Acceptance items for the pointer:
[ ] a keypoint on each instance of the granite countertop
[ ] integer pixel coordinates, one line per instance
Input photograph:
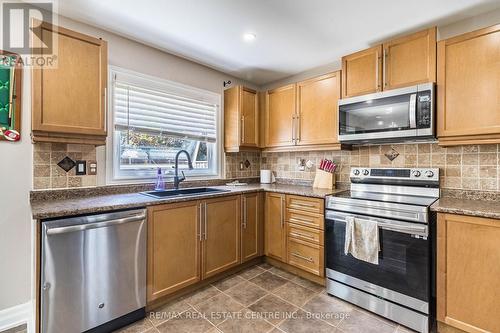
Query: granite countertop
(468, 206)
(44, 209)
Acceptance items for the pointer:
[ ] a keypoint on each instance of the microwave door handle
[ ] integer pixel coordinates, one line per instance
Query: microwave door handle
(412, 111)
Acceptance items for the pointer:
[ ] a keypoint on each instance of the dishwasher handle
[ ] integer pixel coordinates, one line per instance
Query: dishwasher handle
(103, 224)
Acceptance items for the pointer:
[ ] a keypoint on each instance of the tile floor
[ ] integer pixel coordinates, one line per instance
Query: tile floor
(262, 298)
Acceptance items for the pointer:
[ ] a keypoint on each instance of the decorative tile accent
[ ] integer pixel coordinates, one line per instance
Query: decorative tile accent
(50, 162)
(66, 164)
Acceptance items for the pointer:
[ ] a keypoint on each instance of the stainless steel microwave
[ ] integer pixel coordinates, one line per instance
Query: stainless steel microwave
(390, 116)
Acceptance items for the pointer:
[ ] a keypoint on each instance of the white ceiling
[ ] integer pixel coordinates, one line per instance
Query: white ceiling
(292, 35)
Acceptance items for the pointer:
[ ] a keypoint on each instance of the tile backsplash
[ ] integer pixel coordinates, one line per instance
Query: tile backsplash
(48, 175)
(463, 167)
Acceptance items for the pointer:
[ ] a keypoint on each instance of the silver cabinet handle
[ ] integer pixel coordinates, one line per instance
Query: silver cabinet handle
(297, 131)
(103, 224)
(205, 215)
(309, 259)
(282, 209)
(293, 234)
(293, 129)
(199, 220)
(303, 204)
(242, 129)
(245, 217)
(384, 75)
(294, 219)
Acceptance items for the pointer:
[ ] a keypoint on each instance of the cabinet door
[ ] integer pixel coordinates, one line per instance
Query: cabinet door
(280, 122)
(221, 235)
(251, 227)
(71, 98)
(468, 272)
(275, 232)
(173, 248)
(249, 117)
(317, 107)
(410, 60)
(469, 86)
(362, 72)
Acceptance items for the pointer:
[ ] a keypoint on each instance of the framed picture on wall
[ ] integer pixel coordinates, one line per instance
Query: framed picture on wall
(10, 96)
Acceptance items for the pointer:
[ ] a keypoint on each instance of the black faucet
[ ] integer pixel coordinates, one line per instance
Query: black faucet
(177, 179)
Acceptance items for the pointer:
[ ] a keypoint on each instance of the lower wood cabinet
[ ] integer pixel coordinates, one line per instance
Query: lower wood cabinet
(173, 248)
(306, 255)
(221, 234)
(275, 232)
(251, 225)
(468, 272)
(191, 241)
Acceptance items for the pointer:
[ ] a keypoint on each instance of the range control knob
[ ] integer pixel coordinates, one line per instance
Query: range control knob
(356, 172)
(366, 172)
(429, 174)
(416, 173)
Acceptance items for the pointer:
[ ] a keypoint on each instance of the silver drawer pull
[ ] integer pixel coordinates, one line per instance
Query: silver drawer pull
(303, 204)
(294, 219)
(293, 234)
(309, 259)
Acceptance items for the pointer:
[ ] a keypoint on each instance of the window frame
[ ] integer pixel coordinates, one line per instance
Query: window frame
(152, 82)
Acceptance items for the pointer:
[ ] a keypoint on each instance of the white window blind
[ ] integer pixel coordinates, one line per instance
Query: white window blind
(165, 112)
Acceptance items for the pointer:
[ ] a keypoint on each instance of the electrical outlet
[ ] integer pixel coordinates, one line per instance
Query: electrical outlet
(81, 168)
(92, 168)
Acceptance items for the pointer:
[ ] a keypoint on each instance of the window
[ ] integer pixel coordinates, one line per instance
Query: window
(152, 119)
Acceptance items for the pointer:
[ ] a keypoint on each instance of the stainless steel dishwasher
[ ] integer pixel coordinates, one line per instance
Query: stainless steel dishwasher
(93, 272)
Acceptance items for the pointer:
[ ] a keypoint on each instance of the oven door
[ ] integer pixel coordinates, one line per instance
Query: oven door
(402, 275)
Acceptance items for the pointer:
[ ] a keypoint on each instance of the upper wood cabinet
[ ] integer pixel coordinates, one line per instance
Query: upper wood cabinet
(241, 119)
(362, 72)
(410, 60)
(401, 62)
(275, 231)
(173, 248)
(317, 105)
(280, 116)
(69, 101)
(468, 273)
(469, 88)
(221, 235)
(251, 225)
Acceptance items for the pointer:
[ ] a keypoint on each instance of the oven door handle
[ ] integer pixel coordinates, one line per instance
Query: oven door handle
(402, 227)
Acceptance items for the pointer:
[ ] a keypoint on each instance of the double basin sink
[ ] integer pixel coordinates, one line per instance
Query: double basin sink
(185, 192)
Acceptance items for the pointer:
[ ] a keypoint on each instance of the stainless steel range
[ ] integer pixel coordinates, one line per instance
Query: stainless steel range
(399, 286)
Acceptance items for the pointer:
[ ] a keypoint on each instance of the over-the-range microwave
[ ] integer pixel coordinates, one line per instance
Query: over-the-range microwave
(391, 116)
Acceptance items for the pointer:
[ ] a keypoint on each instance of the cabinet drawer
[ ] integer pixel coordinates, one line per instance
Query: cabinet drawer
(305, 233)
(306, 204)
(306, 219)
(306, 256)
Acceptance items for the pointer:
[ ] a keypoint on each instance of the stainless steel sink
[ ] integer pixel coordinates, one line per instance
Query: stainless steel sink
(185, 192)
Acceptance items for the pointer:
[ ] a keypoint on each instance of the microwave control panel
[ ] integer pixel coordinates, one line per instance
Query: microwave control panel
(424, 109)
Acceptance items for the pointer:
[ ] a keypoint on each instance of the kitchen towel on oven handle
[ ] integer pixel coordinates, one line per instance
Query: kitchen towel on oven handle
(362, 239)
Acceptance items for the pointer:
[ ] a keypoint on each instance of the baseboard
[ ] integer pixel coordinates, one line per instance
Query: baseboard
(17, 315)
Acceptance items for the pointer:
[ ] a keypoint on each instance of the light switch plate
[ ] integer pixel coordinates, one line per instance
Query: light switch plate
(92, 168)
(81, 168)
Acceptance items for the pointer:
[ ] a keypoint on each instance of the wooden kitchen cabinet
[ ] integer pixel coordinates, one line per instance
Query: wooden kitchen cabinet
(362, 72)
(410, 60)
(401, 62)
(469, 88)
(305, 223)
(280, 116)
(241, 119)
(317, 108)
(69, 101)
(173, 248)
(275, 231)
(468, 272)
(251, 226)
(221, 235)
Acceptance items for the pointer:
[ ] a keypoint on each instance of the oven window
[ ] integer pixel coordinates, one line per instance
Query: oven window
(380, 115)
(403, 261)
